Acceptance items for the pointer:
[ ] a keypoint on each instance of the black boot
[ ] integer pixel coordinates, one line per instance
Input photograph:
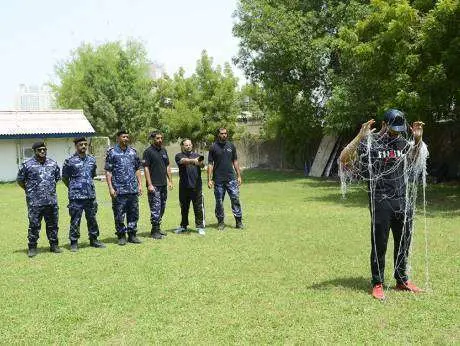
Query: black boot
(96, 243)
(122, 239)
(155, 232)
(133, 239)
(239, 223)
(54, 248)
(74, 245)
(32, 252)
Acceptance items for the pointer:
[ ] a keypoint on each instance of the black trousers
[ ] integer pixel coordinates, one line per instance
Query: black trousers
(390, 214)
(187, 195)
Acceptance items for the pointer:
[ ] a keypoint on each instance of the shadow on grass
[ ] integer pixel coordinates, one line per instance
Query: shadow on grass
(41, 249)
(149, 235)
(441, 199)
(354, 284)
(257, 175)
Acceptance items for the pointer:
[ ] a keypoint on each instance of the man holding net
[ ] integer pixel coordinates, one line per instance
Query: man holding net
(391, 164)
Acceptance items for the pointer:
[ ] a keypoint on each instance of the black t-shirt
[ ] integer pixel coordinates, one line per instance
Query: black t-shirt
(189, 175)
(156, 159)
(387, 155)
(221, 156)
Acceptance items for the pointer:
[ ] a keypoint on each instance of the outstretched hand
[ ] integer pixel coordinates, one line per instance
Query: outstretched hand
(366, 128)
(417, 130)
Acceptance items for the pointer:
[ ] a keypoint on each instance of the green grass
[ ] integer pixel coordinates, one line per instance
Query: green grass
(298, 273)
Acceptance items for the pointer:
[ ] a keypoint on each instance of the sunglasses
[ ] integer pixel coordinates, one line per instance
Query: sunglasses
(41, 149)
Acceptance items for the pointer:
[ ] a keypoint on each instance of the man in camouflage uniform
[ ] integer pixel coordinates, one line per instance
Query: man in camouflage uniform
(122, 171)
(78, 172)
(38, 177)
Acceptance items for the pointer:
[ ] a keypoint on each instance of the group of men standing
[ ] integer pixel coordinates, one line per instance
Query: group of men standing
(38, 177)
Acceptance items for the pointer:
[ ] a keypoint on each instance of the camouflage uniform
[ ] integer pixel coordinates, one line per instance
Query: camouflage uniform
(40, 187)
(80, 172)
(123, 166)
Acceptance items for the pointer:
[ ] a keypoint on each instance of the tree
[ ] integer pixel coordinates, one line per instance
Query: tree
(287, 46)
(111, 84)
(199, 104)
(377, 61)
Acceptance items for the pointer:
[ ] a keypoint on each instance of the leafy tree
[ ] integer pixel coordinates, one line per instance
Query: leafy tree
(199, 104)
(111, 84)
(287, 46)
(437, 78)
(377, 61)
(329, 65)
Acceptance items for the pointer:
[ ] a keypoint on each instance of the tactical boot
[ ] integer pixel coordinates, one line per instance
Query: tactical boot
(220, 225)
(157, 236)
(32, 252)
(133, 239)
(155, 232)
(74, 246)
(54, 248)
(122, 240)
(96, 243)
(239, 223)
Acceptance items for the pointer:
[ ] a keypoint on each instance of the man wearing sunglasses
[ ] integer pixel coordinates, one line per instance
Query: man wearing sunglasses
(78, 172)
(38, 177)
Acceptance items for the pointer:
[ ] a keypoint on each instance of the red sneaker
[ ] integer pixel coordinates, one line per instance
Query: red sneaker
(408, 286)
(377, 292)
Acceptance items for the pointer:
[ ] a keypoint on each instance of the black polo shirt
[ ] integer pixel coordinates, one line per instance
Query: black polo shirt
(189, 175)
(157, 160)
(221, 156)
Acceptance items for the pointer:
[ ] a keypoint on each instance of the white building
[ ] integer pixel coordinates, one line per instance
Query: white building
(34, 98)
(20, 129)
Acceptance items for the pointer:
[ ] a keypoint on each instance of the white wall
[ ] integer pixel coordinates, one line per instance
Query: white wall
(58, 149)
(8, 161)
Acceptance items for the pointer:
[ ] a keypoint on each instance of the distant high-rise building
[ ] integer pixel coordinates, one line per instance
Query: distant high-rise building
(34, 98)
(156, 71)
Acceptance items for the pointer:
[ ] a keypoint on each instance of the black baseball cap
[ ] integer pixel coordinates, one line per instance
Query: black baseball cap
(395, 119)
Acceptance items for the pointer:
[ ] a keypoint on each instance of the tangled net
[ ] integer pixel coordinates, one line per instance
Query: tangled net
(392, 174)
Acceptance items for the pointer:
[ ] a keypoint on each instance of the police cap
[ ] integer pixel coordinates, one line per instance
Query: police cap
(37, 145)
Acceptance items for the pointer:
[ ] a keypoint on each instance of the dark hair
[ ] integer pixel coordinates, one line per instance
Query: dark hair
(155, 133)
(183, 141)
(79, 139)
(220, 129)
(122, 132)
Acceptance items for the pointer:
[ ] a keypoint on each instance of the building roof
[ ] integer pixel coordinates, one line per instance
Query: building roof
(51, 124)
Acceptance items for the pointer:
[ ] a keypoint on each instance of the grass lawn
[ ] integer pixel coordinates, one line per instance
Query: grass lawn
(298, 273)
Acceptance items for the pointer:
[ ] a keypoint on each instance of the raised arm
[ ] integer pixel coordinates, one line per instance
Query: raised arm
(349, 153)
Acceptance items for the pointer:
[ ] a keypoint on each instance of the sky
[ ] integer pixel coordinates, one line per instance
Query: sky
(37, 35)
